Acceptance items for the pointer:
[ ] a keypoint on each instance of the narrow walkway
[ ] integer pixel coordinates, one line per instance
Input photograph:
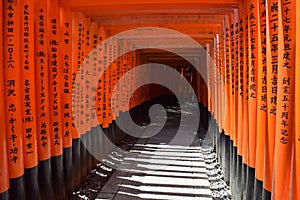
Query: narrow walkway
(149, 172)
(154, 169)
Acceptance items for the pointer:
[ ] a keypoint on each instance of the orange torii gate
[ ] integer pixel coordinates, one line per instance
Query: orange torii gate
(255, 45)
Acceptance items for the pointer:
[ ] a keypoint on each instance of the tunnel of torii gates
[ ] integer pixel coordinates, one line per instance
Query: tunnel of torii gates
(248, 84)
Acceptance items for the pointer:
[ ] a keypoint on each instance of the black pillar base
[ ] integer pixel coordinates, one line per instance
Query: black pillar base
(68, 164)
(4, 195)
(83, 158)
(266, 195)
(239, 166)
(58, 178)
(258, 189)
(250, 182)
(45, 180)
(244, 180)
(94, 138)
(32, 183)
(76, 162)
(88, 154)
(17, 188)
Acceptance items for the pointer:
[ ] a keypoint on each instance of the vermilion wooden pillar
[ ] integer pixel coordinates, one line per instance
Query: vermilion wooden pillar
(296, 169)
(12, 92)
(284, 138)
(4, 177)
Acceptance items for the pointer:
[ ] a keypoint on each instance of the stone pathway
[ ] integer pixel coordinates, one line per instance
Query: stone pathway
(164, 165)
(159, 171)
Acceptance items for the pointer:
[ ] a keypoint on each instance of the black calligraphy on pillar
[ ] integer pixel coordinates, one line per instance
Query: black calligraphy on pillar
(105, 84)
(253, 47)
(274, 51)
(42, 57)
(110, 80)
(80, 56)
(246, 67)
(288, 64)
(241, 56)
(227, 55)
(118, 74)
(28, 117)
(263, 31)
(233, 58)
(87, 81)
(11, 83)
(237, 58)
(94, 58)
(124, 66)
(67, 86)
(54, 80)
(98, 56)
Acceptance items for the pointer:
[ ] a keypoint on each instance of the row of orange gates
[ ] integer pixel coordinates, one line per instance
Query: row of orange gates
(42, 49)
(44, 45)
(258, 57)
